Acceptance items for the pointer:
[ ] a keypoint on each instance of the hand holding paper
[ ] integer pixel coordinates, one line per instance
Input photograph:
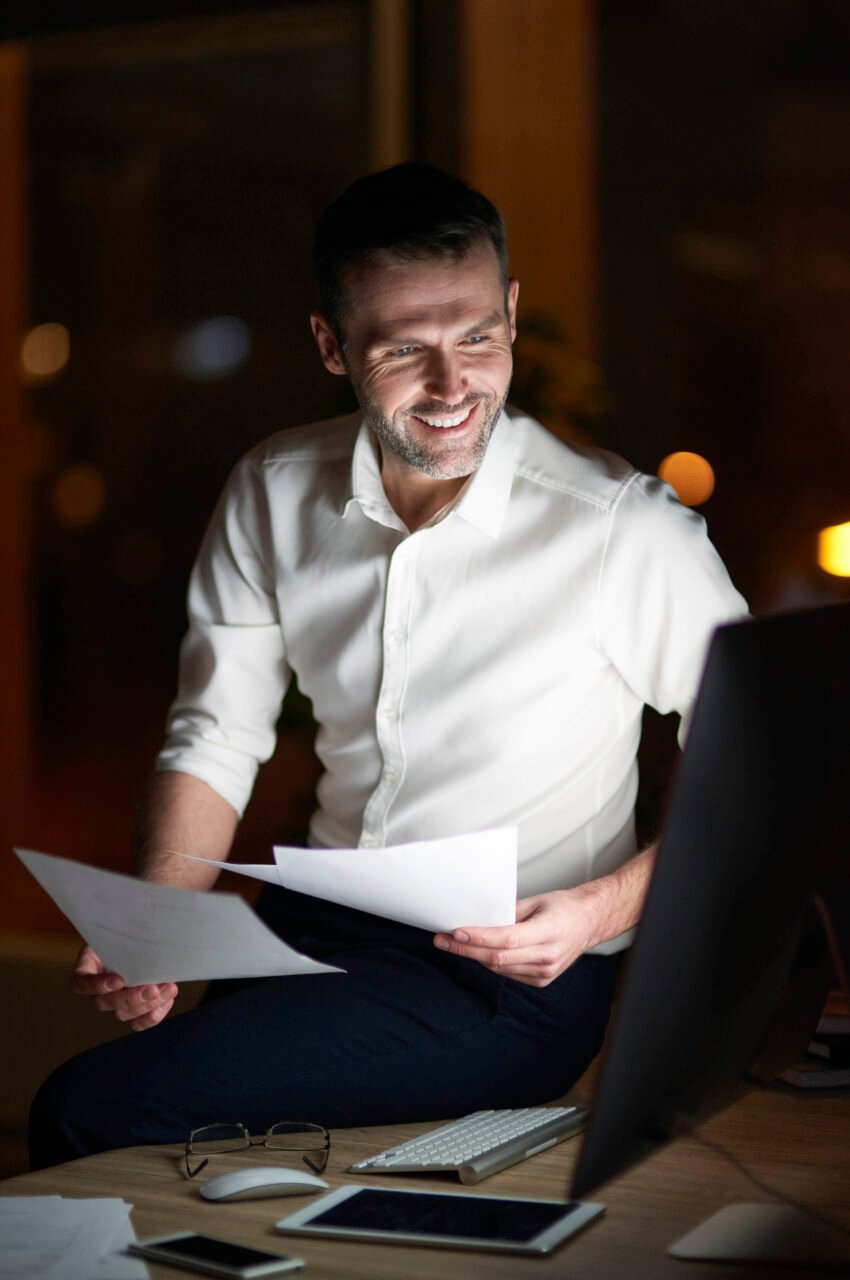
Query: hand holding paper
(153, 933)
(139, 1008)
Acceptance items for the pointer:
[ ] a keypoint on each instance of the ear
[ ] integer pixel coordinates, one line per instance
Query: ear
(513, 294)
(326, 342)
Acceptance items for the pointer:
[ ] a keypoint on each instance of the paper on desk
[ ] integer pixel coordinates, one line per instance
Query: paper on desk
(54, 1238)
(154, 933)
(433, 884)
(115, 1263)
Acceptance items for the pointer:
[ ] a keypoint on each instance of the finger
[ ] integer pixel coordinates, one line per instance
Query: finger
(509, 962)
(95, 984)
(498, 935)
(535, 973)
(495, 938)
(131, 1002)
(152, 1018)
(88, 964)
(88, 961)
(469, 950)
(126, 1012)
(534, 932)
(528, 962)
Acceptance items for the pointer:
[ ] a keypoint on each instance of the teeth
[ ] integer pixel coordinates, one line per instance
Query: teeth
(446, 422)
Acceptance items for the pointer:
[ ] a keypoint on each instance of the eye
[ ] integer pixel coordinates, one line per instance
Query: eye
(476, 339)
(400, 352)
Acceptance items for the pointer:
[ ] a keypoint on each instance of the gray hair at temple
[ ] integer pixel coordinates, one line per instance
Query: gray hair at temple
(410, 212)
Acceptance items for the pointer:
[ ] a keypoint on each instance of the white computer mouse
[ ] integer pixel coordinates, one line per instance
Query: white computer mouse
(257, 1183)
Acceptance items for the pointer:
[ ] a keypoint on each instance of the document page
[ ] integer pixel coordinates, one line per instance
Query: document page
(433, 884)
(54, 1238)
(154, 933)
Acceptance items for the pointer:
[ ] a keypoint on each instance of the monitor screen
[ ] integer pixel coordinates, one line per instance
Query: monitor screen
(730, 966)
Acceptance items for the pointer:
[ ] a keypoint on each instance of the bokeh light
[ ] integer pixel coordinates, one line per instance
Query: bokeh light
(690, 475)
(834, 550)
(45, 351)
(79, 495)
(212, 349)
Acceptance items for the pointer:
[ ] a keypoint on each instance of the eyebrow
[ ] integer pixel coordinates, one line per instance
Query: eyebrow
(491, 321)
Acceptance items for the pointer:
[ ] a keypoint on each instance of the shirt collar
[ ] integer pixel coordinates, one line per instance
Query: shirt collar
(482, 503)
(366, 487)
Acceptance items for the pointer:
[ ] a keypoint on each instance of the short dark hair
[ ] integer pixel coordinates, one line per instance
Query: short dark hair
(407, 212)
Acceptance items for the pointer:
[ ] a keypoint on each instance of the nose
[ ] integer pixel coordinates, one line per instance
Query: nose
(445, 378)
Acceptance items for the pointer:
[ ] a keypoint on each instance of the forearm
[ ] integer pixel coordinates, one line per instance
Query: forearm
(615, 902)
(181, 814)
(553, 929)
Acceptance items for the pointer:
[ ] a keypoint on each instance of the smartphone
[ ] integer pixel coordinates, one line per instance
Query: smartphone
(214, 1257)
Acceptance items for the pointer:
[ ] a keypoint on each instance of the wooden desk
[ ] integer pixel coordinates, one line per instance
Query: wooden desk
(798, 1144)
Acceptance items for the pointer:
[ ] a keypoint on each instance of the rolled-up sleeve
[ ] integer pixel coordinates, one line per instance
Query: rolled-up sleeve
(233, 668)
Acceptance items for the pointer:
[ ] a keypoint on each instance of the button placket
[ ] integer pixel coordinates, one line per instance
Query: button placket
(388, 716)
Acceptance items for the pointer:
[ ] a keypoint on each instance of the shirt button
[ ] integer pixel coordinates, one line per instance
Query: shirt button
(369, 842)
(397, 635)
(389, 713)
(390, 775)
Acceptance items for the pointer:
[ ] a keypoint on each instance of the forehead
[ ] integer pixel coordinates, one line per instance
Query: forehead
(390, 297)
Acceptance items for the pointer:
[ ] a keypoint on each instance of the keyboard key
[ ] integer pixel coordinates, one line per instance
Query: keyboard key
(479, 1144)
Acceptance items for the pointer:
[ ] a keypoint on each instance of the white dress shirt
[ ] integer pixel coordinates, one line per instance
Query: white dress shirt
(490, 668)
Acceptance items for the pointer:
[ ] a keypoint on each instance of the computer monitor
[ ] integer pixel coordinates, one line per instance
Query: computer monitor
(730, 966)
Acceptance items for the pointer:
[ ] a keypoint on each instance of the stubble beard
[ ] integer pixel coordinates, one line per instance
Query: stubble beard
(449, 459)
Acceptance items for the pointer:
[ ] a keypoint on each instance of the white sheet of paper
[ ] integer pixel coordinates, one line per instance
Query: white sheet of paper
(154, 933)
(103, 1226)
(434, 884)
(114, 1262)
(54, 1238)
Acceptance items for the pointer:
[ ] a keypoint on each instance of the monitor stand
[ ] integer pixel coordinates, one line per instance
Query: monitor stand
(768, 1233)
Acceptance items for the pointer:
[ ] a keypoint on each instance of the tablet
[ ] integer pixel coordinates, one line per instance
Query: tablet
(461, 1220)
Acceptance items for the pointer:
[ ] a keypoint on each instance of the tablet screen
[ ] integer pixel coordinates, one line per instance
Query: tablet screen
(489, 1222)
(423, 1213)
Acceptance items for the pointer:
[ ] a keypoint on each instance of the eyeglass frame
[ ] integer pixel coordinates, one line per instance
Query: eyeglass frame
(318, 1166)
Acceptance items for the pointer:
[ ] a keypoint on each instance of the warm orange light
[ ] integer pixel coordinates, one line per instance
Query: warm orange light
(834, 550)
(79, 495)
(690, 475)
(45, 351)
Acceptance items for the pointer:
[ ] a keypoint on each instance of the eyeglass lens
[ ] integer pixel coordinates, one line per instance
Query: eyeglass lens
(291, 1135)
(302, 1137)
(219, 1137)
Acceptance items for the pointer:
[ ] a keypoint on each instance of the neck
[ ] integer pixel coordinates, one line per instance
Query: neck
(415, 497)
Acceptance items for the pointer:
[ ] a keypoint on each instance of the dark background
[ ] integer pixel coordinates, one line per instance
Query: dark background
(173, 174)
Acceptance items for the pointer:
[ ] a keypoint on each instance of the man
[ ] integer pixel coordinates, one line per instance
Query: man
(478, 613)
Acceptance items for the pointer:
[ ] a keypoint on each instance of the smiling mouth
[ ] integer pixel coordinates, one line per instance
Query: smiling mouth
(446, 422)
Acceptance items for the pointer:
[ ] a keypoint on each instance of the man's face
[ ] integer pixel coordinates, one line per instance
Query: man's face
(428, 352)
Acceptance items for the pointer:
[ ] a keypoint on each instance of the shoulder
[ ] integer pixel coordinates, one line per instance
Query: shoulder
(589, 475)
(598, 478)
(327, 442)
(296, 464)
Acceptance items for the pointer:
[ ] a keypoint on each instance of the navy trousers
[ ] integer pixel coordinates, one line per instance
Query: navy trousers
(407, 1033)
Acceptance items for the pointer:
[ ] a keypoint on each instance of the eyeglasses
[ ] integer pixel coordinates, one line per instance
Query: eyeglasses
(287, 1135)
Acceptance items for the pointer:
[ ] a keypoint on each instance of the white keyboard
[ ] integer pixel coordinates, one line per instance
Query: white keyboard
(480, 1144)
